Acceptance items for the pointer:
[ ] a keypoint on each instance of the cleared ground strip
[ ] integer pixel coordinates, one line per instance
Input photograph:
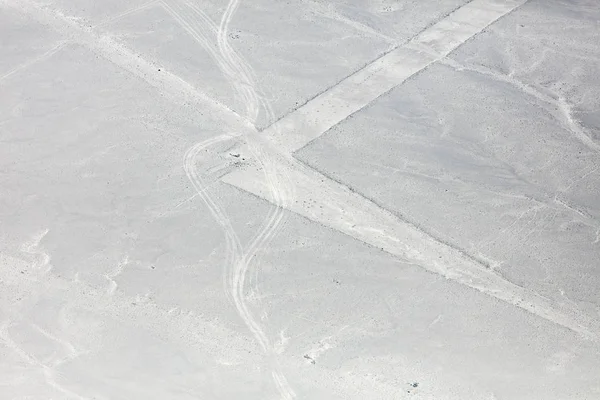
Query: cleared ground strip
(354, 215)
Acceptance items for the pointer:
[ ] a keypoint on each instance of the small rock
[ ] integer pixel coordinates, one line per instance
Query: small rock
(312, 361)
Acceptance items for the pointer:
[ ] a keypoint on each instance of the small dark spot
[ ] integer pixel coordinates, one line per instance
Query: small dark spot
(22, 272)
(159, 69)
(236, 155)
(415, 384)
(152, 267)
(522, 26)
(312, 361)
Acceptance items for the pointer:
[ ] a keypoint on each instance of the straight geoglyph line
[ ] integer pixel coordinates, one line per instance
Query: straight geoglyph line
(320, 114)
(354, 215)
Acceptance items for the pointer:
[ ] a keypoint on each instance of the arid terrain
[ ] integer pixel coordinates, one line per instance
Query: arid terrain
(310, 199)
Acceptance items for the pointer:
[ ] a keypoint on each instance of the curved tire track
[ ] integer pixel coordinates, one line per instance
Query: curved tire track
(238, 260)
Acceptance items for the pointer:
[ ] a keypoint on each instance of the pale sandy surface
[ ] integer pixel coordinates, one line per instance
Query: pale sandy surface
(437, 241)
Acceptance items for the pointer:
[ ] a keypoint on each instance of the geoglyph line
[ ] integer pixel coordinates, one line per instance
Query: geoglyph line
(354, 215)
(172, 86)
(350, 213)
(310, 121)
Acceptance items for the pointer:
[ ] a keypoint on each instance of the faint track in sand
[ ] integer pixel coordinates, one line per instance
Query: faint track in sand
(50, 375)
(47, 54)
(238, 260)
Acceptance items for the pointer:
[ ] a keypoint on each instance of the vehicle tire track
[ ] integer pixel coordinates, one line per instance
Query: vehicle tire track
(238, 260)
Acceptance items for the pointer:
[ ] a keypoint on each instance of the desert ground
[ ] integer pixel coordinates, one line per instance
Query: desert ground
(309, 199)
